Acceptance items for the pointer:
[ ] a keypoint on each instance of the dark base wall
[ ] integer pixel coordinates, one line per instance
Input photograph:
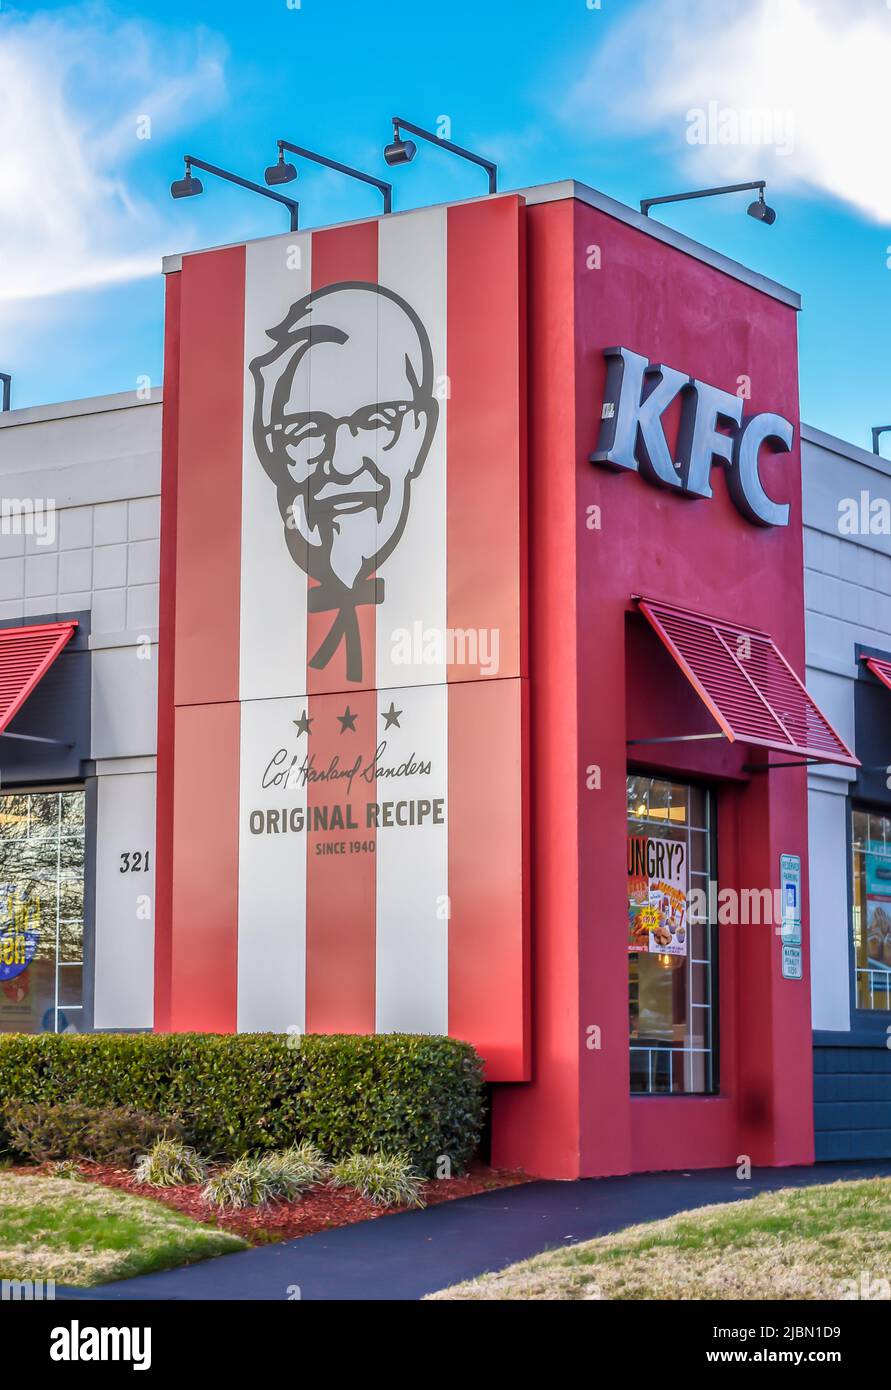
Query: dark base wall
(852, 1095)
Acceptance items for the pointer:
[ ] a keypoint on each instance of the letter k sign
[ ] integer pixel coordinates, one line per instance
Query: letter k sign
(638, 392)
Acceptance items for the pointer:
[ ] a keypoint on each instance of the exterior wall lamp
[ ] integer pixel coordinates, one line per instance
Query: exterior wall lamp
(402, 151)
(283, 172)
(758, 209)
(190, 187)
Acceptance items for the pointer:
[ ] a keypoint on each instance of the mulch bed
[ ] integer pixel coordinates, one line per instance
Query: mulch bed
(319, 1209)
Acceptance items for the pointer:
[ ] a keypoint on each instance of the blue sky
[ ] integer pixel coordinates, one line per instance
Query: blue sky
(551, 90)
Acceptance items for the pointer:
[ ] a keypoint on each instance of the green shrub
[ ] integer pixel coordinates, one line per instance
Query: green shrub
(255, 1179)
(106, 1134)
(388, 1179)
(170, 1163)
(391, 1093)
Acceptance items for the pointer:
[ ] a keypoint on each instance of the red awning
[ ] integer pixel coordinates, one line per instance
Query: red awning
(26, 654)
(747, 684)
(879, 668)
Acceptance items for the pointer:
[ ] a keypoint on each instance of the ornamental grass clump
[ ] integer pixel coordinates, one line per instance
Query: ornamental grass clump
(386, 1179)
(304, 1161)
(256, 1179)
(66, 1168)
(170, 1163)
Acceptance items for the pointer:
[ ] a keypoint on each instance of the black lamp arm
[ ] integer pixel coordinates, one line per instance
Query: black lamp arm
(647, 203)
(491, 169)
(289, 203)
(386, 189)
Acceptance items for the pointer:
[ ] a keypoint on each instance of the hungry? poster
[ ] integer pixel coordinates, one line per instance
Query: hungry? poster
(657, 896)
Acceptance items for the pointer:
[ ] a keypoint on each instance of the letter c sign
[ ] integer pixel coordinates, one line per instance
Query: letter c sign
(631, 435)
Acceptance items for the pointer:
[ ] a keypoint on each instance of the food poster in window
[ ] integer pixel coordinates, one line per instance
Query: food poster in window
(878, 904)
(19, 941)
(657, 896)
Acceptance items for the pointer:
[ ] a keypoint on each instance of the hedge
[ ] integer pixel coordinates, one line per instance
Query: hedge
(388, 1093)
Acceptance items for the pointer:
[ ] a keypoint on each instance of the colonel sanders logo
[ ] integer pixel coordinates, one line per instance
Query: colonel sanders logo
(344, 416)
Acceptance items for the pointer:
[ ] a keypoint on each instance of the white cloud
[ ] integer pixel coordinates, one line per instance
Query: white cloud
(73, 84)
(819, 68)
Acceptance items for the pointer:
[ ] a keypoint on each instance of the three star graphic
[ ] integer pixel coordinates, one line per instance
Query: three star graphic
(348, 720)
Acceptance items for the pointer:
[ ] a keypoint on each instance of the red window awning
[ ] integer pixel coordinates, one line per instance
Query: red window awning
(26, 654)
(747, 684)
(879, 668)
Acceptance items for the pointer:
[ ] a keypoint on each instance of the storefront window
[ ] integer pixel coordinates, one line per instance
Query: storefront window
(671, 946)
(41, 912)
(872, 909)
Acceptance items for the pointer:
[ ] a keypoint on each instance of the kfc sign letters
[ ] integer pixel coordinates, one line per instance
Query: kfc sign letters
(638, 392)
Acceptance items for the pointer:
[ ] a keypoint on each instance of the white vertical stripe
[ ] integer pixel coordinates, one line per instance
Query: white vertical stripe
(412, 868)
(412, 262)
(271, 870)
(273, 587)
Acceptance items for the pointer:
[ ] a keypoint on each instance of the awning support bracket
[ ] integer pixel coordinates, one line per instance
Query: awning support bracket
(804, 762)
(37, 738)
(675, 738)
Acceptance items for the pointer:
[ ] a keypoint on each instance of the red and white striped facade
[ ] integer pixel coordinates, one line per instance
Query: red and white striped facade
(409, 912)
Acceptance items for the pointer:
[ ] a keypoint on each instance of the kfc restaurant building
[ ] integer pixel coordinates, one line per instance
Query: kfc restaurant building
(480, 654)
(481, 639)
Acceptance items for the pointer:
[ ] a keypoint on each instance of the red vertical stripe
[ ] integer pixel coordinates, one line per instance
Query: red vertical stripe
(340, 888)
(488, 863)
(166, 647)
(204, 900)
(486, 428)
(205, 869)
(486, 528)
(211, 430)
(340, 878)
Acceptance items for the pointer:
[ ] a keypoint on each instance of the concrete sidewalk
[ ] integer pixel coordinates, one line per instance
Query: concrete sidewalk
(415, 1253)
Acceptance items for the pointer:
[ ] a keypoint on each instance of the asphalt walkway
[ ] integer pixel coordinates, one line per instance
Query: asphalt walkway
(415, 1253)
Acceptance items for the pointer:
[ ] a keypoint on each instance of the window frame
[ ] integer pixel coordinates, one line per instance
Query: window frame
(710, 791)
(88, 788)
(862, 1020)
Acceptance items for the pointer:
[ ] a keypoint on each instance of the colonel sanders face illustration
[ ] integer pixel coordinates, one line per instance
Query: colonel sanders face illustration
(344, 416)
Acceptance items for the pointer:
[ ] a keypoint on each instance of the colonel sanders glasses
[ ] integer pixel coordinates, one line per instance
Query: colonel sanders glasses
(385, 419)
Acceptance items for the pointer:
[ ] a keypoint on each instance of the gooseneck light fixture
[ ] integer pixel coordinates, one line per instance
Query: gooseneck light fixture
(877, 432)
(283, 172)
(759, 209)
(402, 151)
(190, 187)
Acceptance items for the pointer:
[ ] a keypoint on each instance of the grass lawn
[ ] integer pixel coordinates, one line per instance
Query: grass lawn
(80, 1233)
(798, 1243)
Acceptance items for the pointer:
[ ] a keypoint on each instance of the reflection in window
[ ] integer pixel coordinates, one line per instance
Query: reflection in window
(871, 925)
(41, 911)
(671, 957)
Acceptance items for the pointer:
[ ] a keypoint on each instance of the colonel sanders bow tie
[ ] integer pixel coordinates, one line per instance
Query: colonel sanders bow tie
(330, 595)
